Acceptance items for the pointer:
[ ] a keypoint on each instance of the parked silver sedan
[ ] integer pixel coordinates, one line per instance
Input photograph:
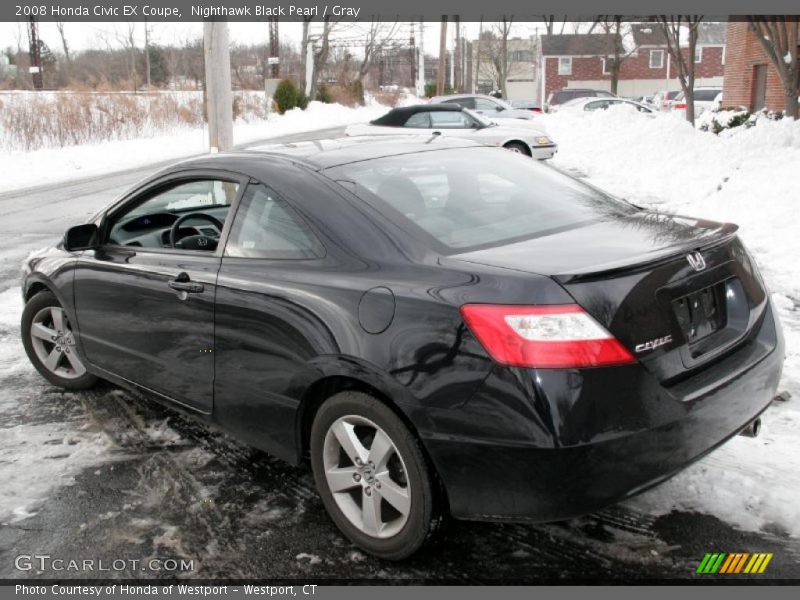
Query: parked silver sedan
(450, 120)
(487, 106)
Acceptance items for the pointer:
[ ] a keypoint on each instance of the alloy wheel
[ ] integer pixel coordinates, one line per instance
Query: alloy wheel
(367, 476)
(54, 343)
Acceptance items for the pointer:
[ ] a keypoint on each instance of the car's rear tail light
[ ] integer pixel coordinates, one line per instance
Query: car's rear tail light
(680, 106)
(549, 336)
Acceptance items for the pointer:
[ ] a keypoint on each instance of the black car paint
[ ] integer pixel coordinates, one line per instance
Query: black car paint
(380, 312)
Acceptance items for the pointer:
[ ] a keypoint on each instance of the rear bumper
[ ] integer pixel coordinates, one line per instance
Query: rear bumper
(586, 462)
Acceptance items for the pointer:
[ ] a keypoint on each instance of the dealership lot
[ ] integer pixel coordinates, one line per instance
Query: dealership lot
(106, 475)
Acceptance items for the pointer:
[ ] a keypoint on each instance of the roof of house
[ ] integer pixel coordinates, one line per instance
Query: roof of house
(648, 34)
(578, 44)
(651, 34)
(711, 34)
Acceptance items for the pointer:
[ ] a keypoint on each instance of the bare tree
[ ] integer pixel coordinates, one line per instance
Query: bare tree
(378, 38)
(674, 27)
(613, 26)
(321, 54)
(495, 51)
(778, 37)
(127, 39)
(549, 24)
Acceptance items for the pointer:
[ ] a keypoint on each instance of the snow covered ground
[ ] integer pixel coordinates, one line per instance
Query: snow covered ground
(51, 165)
(744, 176)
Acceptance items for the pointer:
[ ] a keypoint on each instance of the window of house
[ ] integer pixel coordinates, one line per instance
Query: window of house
(698, 54)
(607, 66)
(656, 59)
(565, 65)
(722, 60)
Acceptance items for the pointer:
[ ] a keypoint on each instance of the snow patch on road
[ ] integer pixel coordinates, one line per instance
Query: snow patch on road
(34, 458)
(746, 176)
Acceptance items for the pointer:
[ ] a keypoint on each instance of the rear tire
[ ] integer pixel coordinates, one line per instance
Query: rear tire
(372, 476)
(49, 342)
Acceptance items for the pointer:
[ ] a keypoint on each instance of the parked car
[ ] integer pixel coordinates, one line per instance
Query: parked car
(566, 94)
(590, 104)
(665, 99)
(451, 120)
(532, 105)
(488, 106)
(435, 328)
(704, 98)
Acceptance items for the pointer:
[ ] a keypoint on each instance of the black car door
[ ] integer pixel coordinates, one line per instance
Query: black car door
(271, 319)
(145, 309)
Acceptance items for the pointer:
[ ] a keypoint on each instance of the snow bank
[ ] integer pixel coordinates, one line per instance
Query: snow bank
(746, 176)
(25, 169)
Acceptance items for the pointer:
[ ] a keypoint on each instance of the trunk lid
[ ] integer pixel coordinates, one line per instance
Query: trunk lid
(677, 292)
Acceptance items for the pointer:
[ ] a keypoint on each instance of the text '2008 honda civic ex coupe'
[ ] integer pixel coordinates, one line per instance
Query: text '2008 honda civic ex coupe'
(438, 328)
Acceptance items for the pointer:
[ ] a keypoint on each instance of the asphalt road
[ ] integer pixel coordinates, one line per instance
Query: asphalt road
(169, 487)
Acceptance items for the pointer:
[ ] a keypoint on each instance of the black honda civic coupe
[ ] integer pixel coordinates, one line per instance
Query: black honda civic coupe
(438, 328)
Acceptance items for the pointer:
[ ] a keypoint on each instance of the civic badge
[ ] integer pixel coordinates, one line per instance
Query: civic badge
(696, 260)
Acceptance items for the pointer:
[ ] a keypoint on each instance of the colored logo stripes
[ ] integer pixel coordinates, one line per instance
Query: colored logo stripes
(734, 563)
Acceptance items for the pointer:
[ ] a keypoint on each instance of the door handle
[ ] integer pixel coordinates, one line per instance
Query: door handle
(182, 283)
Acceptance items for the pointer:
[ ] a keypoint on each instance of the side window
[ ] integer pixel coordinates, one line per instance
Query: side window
(419, 120)
(463, 102)
(266, 227)
(450, 120)
(484, 104)
(147, 221)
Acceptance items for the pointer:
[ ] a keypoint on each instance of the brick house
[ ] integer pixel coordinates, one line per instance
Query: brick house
(581, 60)
(750, 79)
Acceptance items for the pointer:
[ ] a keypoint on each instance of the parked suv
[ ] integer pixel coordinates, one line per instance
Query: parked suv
(566, 94)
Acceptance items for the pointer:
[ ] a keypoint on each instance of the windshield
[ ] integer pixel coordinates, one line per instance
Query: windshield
(482, 121)
(471, 197)
(503, 103)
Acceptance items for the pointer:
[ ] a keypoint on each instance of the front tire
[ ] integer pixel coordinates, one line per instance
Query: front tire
(518, 148)
(49, 342)
(372, 476)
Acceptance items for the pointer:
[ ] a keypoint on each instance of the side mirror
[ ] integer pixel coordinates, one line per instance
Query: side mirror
(81, 237)
(498, 108)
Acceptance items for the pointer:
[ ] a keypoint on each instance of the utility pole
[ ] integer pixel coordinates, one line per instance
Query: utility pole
(476, 80)
(440, 71)
(459, 79)
(35, 52)
(421, 59)
(274, 48)
(413, 56)
(147, 53)
(218, 85)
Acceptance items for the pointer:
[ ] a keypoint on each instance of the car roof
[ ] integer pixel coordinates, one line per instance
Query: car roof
(455, 96)
(398, 116)
(323, 154)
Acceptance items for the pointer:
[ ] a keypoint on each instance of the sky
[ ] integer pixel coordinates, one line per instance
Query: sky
(81, 36)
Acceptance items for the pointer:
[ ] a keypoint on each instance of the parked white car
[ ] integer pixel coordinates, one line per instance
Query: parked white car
(450, 120)
(704, 98)
(486, 106)
(592, 104)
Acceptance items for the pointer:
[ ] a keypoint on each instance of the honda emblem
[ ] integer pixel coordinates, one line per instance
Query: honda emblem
(696, 260)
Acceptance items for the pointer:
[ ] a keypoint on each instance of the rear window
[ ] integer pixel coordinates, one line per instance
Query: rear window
(477, 197)
(706, 95)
